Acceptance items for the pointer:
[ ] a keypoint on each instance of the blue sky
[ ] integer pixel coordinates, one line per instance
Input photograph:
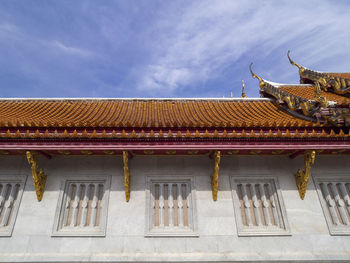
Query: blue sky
(165, 48)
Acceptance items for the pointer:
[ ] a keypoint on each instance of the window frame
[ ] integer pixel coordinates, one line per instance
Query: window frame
(21, 180)
(256, 230)
(58, 230)
(333, 178)
(149, 229)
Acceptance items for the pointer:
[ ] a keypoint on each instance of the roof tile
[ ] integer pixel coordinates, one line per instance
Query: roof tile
(139, 113)
(308, 92)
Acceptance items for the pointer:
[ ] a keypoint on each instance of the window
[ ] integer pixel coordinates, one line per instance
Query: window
(335, 201)
(171, 207)
(259, 207)
(11, 190)
(82, 207)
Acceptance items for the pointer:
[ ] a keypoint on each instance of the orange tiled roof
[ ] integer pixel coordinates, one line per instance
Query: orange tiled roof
(340, 75)
(143, 113)
(308, 92)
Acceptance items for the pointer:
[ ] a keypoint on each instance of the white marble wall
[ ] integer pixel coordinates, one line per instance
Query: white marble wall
(218, 241)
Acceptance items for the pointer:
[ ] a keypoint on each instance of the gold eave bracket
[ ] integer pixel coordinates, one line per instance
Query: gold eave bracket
(126, 175)
(302, 176)
(215, 175)
(39, 178)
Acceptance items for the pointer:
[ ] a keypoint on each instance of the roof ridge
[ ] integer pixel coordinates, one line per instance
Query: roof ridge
(135, 99)
(287, 85)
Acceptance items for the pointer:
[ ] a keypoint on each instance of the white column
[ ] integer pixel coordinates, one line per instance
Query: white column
(153, 203)
(171, 205)
(3, 195)
(180, 205)
(340, 204)
(8, 206)
(256, 205)
(84, 205)
(75, 206)
(246, 205)
(330, 203)
(271, 193)
(345, 196)
(94, 206)
(189, 211)
(161, 205)
(265, 204)
(67, 205)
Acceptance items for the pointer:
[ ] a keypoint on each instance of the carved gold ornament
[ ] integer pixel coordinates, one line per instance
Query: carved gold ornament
(276, 152)
(318, 98)
(109, 152)
(318, 109)
(215, 175)
(86, 152)
(302, 176)
(243, 87)
(65, 152)
(233, 152)
(301, 69)
(255, 152)
(337, 84)
(39, 179)
(126, 175)
(261, 81)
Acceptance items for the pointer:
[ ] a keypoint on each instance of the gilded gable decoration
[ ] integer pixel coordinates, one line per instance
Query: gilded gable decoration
(302, 176)
(39, 178)
(313, 101)
(126, 175)
(338, 83)
(215, 175)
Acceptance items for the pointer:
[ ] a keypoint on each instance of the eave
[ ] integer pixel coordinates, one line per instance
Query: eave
(242, 142)
(338, 83)
(318, 110)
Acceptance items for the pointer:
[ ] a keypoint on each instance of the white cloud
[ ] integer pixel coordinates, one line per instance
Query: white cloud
(71, 50)
(9, 31)
(202, 39)
(7, 28)
(12, 32)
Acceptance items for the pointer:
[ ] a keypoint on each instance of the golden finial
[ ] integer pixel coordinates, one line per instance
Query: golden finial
(231, 94)
(253, 74)
(293, 63)
(243, 86)
(261, 81)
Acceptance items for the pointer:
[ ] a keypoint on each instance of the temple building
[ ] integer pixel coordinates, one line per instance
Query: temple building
(226, 180)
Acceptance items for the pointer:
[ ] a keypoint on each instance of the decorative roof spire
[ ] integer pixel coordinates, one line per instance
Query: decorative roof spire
(301, 68)
(261, 81)
(243, 86)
